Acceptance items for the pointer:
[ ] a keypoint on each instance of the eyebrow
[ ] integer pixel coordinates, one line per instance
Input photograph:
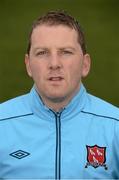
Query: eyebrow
(60, 48)
(40, 48)
(68, 47)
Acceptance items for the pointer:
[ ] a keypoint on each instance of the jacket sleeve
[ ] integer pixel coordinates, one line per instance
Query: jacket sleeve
(116, 150)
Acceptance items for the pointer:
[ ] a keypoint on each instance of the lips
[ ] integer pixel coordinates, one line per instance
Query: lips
(57, 78)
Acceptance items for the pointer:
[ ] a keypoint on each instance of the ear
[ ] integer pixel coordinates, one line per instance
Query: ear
(86, 65)
(27, 63)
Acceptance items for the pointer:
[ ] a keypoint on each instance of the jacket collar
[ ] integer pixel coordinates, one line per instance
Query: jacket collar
(74, 106)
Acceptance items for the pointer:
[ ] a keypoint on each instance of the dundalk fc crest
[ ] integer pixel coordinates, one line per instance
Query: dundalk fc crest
(96, 156)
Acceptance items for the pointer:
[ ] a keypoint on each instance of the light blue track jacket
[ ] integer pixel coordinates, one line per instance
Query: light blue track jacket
(80, 142)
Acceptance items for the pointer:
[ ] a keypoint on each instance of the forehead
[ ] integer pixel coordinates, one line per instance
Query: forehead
(55, 33)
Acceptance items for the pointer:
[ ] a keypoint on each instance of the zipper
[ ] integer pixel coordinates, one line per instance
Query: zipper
(58, 143)
(58, 146)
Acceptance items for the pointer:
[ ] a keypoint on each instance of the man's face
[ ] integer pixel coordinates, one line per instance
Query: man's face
(56, 62)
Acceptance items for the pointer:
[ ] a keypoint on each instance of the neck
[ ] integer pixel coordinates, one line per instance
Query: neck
(59, 103)
(55, 104)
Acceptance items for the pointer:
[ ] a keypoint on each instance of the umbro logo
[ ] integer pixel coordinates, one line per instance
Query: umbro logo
(19, 154)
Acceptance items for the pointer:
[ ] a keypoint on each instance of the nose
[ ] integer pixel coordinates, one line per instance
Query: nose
(55, 62)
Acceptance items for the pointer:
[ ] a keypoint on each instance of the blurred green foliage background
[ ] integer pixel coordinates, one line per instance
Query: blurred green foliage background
(100, 20)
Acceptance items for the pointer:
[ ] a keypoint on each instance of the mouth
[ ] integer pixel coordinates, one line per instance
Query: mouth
(58, 78)
(55, 79)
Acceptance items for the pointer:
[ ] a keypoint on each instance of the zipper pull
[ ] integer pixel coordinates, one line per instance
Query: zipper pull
(58, 114)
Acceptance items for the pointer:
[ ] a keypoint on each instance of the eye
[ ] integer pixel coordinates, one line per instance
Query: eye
(67, 52)
(40, 53)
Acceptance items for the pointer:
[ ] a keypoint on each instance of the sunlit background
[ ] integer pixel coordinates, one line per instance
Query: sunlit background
(100, 20)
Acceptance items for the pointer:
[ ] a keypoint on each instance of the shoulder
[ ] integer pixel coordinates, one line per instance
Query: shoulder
(101, 108)
(15, 107)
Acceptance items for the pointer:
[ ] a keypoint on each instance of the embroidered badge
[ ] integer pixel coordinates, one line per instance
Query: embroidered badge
(96, 156)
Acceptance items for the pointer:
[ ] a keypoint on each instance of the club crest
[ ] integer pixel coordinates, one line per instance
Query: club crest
(96, 156)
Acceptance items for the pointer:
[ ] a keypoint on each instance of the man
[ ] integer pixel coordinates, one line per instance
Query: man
(58, 130)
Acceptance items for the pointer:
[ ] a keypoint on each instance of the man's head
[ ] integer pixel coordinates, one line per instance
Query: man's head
(56, 58)
(55, 18)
